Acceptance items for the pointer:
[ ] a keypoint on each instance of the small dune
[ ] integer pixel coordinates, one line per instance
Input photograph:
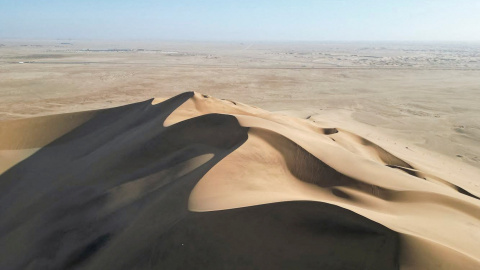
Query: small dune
(196, 182)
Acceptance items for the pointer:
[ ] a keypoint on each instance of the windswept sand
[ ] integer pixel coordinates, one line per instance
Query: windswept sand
(198, 182)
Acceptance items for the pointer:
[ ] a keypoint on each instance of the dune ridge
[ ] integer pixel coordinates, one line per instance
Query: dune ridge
(195, 181)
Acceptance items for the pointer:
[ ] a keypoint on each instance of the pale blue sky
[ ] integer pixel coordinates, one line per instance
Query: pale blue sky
(321, 20)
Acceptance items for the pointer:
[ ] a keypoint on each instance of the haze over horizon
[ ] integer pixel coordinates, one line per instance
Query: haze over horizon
(214, 20)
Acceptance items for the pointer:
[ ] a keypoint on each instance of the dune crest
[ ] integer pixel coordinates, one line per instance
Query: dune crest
(168, 178)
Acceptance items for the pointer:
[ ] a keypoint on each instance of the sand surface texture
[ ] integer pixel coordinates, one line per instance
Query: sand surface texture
(198, 182)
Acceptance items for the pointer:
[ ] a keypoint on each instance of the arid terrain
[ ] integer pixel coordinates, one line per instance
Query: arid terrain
(149, 155)
(426, 95)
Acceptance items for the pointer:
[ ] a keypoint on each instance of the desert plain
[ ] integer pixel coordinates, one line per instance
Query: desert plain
(427, 94)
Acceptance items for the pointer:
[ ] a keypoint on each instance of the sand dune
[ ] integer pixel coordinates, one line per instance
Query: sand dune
(197, 182)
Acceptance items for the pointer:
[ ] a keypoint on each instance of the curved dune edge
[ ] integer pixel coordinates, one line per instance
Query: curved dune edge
(288, 159)
(21, 138)
(131, 173)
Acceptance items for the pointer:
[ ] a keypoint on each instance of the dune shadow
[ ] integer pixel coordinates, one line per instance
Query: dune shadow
(52, 203)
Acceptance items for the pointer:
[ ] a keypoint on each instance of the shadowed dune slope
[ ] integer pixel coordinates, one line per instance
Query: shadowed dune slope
(197, 182)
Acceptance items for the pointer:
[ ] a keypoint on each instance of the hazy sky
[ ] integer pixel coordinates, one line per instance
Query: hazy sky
(242, 19)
